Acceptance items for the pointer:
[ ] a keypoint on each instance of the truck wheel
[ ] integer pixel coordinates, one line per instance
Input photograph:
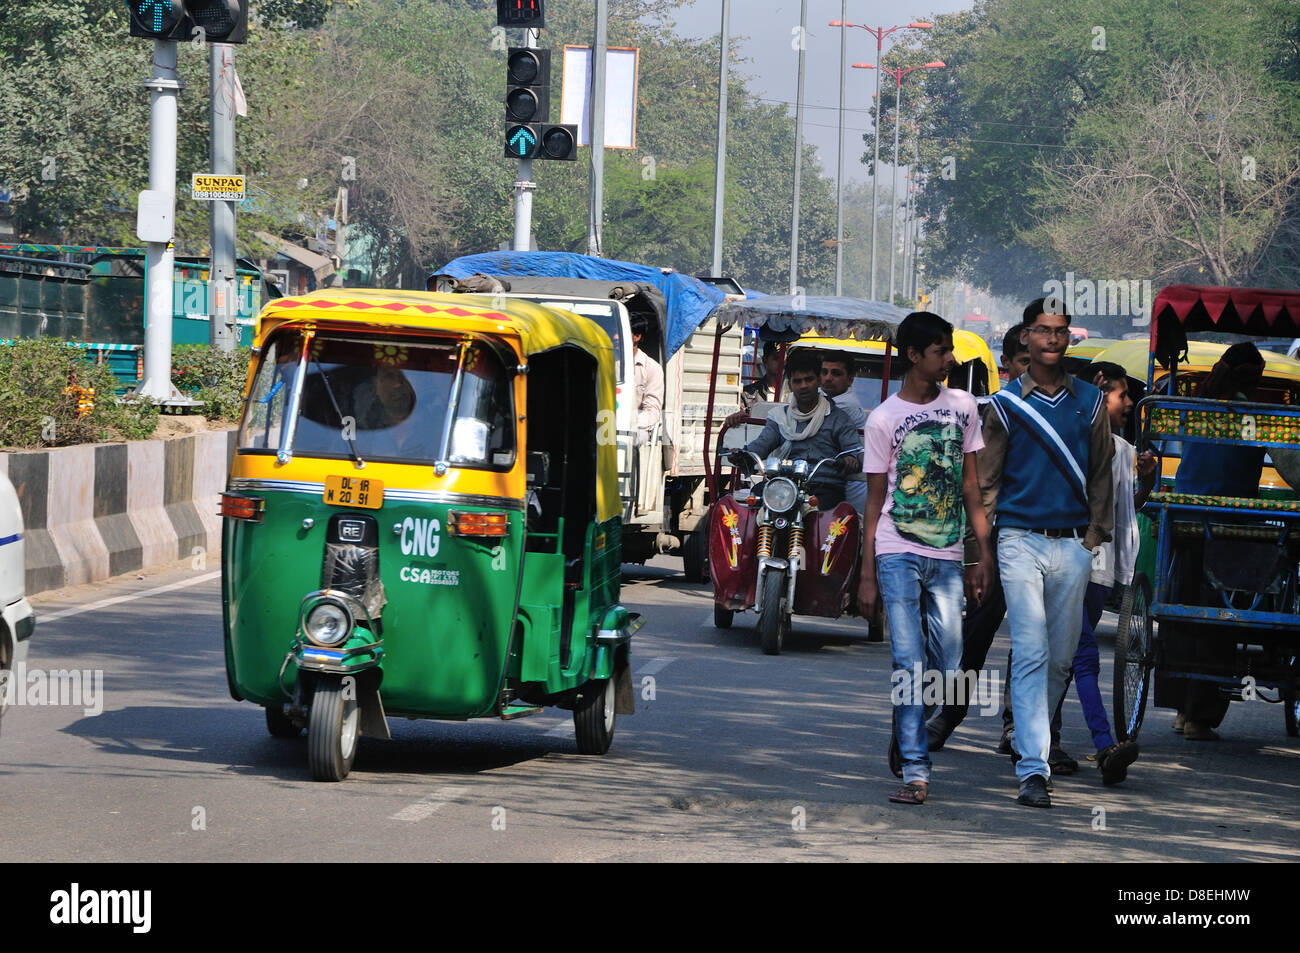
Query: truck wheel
(772, 621)
(332, 731)
(593, 717)
(695, 553)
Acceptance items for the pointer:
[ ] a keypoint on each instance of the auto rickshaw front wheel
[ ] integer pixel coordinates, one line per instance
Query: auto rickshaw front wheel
(722, 617)
(332, 730)
(281, 725)
(593, 717)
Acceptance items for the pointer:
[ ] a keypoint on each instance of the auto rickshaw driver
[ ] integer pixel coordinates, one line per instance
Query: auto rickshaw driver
(811, 427)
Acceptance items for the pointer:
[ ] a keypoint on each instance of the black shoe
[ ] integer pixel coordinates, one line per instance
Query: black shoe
(895, 757)
(1033, 792)
(1114, 761)
(937, 730)
(1004, 746)
(1060, 762)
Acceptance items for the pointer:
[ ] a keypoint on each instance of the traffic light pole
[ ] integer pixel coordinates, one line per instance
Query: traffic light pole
(159, 258)
(223, 289)
(596, 203)
(524, 185)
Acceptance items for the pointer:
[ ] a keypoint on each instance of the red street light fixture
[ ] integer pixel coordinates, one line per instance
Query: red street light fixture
(879, 32)
(898, 73)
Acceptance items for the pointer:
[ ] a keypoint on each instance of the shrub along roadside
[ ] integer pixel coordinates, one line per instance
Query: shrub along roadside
(212, 376)
(51, 396)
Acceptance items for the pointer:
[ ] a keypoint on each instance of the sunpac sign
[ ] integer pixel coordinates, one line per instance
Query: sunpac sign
(216, 188)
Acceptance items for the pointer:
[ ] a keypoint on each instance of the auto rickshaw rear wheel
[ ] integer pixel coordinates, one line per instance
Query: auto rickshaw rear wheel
(332, 730)
(281, 725)
(1134, 658)
(593, 717)
(772, 622)
(722, 617)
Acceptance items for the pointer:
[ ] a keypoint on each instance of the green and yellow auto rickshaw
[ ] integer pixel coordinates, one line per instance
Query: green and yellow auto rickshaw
(422, 520)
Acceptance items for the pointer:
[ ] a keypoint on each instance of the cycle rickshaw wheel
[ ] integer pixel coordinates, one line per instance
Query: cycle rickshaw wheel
(1134, 659)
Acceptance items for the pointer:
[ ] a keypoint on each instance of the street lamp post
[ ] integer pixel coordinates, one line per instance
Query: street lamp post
(879, 32)
(898, 73)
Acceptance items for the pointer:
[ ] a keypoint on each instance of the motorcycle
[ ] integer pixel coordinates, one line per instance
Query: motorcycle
(758, 554)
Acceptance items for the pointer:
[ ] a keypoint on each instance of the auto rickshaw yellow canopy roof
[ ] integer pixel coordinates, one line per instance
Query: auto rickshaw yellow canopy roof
(537, 328)
(966, 346)
(1134, 356)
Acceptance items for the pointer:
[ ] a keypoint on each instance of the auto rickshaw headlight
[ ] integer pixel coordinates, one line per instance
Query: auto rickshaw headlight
(779, 495)
(329, 623)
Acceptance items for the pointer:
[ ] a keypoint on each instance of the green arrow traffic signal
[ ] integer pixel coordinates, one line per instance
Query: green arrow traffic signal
(521, 142)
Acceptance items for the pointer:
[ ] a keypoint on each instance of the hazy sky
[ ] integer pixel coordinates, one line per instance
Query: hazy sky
(765, 28)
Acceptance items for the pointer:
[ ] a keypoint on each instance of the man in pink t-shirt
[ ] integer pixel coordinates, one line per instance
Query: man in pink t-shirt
(920, 465)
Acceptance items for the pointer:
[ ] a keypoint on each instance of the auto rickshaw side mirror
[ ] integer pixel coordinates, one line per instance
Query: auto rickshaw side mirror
(539, 467)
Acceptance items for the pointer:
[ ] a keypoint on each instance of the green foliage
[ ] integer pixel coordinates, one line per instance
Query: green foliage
(215, 377)
(1027, 79)
(38, 389)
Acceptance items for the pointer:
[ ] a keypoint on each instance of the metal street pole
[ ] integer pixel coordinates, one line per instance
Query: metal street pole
(720, 175)
(163, 89)
(893, 198)
(798, 150)
(839, 169)
(223, 288)
(596, 205)
(524, 184)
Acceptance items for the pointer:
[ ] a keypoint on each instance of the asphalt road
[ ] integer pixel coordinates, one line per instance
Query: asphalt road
(736, 756)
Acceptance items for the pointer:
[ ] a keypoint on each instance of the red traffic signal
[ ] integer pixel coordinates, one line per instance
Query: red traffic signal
(521, 13)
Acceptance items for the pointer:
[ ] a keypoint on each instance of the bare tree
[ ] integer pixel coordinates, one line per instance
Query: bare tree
(1195, 177)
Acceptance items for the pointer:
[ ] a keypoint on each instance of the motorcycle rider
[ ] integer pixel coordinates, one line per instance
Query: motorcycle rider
(810, 427)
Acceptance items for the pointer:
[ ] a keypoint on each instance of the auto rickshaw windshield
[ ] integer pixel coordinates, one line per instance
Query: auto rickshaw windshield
(381, 399)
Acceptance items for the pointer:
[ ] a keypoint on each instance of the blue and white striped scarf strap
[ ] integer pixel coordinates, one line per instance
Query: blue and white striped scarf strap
(1007, 403)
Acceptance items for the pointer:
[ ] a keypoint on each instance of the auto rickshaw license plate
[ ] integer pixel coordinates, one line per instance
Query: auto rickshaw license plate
(354, 491)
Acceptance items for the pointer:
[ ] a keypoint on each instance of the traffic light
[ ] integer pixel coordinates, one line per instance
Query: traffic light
(558, 142)
(222, 21)
(541, 140)
(521, 13)
(528, 85)
(157, 19)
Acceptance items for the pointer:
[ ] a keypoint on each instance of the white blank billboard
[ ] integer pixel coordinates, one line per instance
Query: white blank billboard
(620, 95)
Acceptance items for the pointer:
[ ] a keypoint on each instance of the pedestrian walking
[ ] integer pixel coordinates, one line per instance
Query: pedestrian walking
(1053, 505)
(920, 464)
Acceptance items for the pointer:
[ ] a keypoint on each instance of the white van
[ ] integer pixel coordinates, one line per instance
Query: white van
(16, 617)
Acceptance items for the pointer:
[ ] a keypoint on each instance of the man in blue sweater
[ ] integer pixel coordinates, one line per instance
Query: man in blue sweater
(1045, 474)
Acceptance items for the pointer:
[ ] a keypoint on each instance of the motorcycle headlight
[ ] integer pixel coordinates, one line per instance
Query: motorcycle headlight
(779, 495)
(328, 624)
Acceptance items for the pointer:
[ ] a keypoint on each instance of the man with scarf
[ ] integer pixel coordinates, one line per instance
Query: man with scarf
(811, 427)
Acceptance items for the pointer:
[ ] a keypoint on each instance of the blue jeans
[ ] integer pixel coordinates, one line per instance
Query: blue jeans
(1044, 581)
(909, 586)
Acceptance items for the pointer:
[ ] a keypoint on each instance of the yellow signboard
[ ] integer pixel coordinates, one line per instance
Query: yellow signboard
(217, 188)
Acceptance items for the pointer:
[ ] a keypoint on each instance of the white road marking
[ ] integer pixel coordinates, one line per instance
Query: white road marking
(105, 603)
(651, 667)
(430, 804)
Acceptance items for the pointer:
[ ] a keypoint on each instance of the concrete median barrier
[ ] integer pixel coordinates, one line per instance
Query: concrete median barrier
(95, 511)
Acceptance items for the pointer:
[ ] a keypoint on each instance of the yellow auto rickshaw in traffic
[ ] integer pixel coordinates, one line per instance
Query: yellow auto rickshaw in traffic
(422, 520)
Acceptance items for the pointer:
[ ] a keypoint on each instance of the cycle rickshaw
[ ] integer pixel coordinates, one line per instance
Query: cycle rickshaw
(1225, 604)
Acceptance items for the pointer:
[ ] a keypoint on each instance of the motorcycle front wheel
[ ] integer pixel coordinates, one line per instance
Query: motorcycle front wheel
(773, 622)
